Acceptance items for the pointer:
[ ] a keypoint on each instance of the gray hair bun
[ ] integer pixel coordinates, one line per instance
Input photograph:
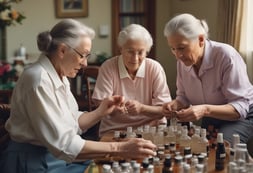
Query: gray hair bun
(44, 40)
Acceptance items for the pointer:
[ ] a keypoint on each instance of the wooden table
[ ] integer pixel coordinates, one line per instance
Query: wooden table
(211, 158)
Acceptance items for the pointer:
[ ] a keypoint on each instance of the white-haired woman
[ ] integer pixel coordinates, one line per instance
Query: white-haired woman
(141, 80)
(212, 80)
(45, 123)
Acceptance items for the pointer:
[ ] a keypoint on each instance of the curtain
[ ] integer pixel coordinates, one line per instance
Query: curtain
(231, 13)
(235, 28)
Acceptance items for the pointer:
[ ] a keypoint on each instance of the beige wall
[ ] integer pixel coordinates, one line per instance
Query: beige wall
(162, 50)
(41, 16)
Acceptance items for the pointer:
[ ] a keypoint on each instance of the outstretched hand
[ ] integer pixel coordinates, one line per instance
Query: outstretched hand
(169, 109)
(191, 113)
(133, 107)
(110, 103)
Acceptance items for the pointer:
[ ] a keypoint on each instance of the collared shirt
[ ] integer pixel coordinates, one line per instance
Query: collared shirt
(44, 111)
(222, 79)
(149, 87)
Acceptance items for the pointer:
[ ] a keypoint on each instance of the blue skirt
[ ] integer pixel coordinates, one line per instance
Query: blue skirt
(28, 158)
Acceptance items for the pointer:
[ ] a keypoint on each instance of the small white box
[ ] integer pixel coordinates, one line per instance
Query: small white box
(103, 30)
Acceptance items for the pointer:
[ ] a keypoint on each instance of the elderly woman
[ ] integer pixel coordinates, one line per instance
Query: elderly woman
(212, 80)
(45, 123)
(140, 80)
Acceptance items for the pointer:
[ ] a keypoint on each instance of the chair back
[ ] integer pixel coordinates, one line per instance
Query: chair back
(89, 77)
(4, 135)
(90, 74)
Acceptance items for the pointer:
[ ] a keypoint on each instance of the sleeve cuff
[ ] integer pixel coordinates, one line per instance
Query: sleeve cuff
(74, 148)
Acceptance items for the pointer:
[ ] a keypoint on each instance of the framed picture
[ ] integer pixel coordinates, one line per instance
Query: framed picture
(71, 8)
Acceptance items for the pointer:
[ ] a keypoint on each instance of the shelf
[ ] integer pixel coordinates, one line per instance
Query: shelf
(132, 5)
(132, 14)
(127, 12)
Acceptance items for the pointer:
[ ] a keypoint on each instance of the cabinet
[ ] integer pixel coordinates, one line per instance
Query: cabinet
(125, 12)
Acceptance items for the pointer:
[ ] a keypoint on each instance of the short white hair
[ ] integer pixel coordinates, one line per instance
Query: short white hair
(135, 32)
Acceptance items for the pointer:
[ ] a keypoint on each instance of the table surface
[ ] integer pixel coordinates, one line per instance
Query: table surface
(211, 158)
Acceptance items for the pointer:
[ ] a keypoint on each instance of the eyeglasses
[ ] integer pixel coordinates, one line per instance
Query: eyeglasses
(87, 55)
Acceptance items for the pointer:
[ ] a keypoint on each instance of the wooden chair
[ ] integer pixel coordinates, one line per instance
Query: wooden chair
(4, 135)
(90, 74)
(82, 87)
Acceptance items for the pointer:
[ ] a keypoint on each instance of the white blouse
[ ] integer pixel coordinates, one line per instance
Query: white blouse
(44, 112)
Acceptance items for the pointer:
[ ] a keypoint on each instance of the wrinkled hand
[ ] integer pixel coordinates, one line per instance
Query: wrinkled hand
(110, 103)
(192, 113)
(120, 109)
(137, 148)
(133, 107)
(168, 109)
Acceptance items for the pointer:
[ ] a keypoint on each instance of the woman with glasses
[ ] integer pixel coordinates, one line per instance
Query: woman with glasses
(139, 79)
(45, 123)
(212, 80)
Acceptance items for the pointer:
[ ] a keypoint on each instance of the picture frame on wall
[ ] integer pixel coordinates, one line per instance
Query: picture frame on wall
(71, 8)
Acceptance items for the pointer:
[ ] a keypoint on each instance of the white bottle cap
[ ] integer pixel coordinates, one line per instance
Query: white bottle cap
(197, 131)
(203, 132)
(236, 140)
(152, 130)
(129, 129)
(116, 134)
(220, 138)
(106, 167)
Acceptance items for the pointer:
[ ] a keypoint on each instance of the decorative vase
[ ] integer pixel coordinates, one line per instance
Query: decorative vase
(2, 43)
